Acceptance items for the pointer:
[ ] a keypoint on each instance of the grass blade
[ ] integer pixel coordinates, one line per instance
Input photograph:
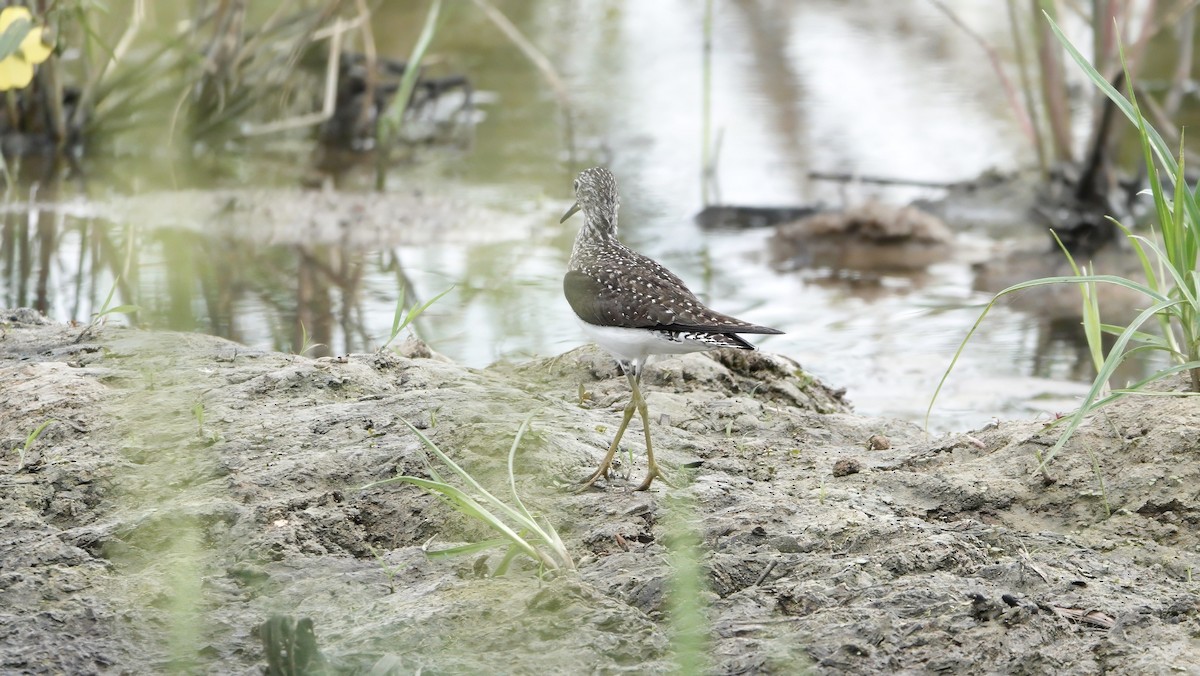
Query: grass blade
(1149, 135)
(472, 548)
(1092, 328)
(512, 453)
(391, 120)
(470, 507)
(1115, 356)
(418, 310)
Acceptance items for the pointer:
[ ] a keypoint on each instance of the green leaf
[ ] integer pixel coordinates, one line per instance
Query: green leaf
(398, 315)
(505, 562)
(512, 480)
(11, 38)
(1150, 339)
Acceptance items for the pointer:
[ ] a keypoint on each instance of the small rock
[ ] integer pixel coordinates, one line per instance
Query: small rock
(846, 466)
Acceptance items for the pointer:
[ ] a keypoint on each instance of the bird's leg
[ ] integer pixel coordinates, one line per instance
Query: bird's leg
(652, 470)
(612, 450)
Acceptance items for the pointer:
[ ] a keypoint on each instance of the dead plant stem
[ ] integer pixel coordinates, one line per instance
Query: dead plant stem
(539, 60)
(1006, 84)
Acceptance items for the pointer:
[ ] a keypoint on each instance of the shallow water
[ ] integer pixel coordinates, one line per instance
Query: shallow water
(877, 88)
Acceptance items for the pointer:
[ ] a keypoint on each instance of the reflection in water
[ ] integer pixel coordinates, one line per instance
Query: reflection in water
(872, 238)
(877, 88)
(1062, 353)
(314, 298)
(301, 297)
(24, 238)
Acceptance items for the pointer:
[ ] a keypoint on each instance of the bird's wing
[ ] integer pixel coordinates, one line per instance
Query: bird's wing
(660, 299)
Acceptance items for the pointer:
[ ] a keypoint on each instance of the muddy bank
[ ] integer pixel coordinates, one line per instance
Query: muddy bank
(192, 487)
(416, 215)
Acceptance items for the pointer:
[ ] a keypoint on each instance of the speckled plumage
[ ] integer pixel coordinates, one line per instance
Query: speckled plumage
(610, 285)
(634, 307)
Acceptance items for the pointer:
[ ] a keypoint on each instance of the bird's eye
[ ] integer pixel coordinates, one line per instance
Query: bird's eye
(576, 185)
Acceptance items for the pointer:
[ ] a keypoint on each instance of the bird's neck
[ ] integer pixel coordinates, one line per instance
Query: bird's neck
(598, 230)
(599, 225)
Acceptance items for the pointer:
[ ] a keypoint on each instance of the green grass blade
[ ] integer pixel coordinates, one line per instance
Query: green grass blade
(1144, 393)
(32, 437)
(1135, 389)
(506, 562)
(473, 548)
(1136, 241)
(1161, 208)
(401, 319)
(1104, 279)
(556, 542)
(398, 315)
(471, 508)
(521, 517)
(544, 530)
(1092, 328)
(470, 480)
(1115, 356)
(1091, 323)
(1105, 86)
(393, 117)
(1170, 270)
(954, 360)
(1140, 349)
(416, 311)
(1149, 135)
(1166, 271)
(108, 299)
(1149, 339)
(1067, 253)
(512, 454)
(30, 440)
(1177, 246)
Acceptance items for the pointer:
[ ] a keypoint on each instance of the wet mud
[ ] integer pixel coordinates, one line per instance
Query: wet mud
(191, 488)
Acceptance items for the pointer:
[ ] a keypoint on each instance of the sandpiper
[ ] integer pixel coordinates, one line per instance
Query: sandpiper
(633, 307)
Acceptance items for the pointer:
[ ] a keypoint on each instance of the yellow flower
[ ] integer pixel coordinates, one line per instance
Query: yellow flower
(16, 71)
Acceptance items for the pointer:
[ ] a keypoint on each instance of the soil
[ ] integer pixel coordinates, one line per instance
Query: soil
(190, 489)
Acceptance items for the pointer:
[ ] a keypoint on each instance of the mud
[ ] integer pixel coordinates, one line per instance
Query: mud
(191, 488)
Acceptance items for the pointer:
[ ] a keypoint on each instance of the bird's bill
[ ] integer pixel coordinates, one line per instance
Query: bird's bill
(570, 212)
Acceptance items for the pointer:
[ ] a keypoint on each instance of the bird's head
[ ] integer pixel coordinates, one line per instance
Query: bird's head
(596, 196)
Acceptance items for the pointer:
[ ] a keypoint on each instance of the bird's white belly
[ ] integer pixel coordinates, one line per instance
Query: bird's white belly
(637, 344)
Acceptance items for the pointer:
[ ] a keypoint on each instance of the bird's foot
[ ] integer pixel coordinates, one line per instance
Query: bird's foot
(651, 474)
(601, 472)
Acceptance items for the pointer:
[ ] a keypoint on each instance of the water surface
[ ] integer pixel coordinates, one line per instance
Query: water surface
(880, 88)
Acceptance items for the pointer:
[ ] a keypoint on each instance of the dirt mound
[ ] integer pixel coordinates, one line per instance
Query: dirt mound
(191, 488)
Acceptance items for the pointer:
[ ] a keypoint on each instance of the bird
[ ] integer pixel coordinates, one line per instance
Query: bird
(633, 307)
